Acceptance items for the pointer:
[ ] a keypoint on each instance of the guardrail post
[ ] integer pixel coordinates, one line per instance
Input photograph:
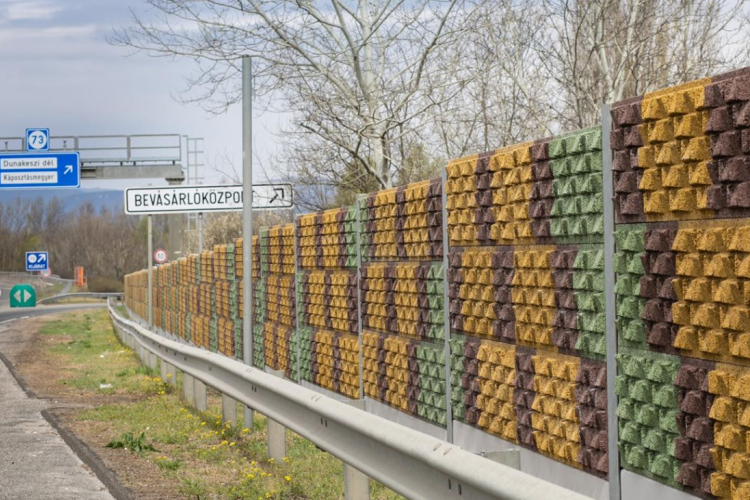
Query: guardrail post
(171, 374)
(163, 371)
(356, 484)
(199, 392)
(276, 432)
(228, 410)
(188, 389)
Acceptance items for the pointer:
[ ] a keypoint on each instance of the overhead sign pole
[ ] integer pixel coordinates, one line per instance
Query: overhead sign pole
(150, 273)
(247, 219)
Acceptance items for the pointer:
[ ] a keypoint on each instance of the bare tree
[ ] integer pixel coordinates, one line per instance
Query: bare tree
(352, 72)
(600, 51)
(506, 99)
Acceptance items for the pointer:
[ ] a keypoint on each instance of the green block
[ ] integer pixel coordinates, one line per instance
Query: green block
(575, 144)
(593, 138)
(593, 204)
(665, 467)
(626, 409)
(622, 387)
(663, 370)
(666, 396)
(458, 412)
(641, 390)
(557, 148)
(630, 432)
(629, 238)
(647, 415)
(668, 420)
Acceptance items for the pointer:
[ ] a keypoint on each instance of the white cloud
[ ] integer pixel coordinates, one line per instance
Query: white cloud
(26, 10)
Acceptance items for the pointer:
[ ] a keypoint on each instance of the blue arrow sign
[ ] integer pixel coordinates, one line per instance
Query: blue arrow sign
(40, 170)
(37, 261)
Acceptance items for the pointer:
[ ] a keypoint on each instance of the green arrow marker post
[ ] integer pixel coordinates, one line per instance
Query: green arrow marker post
(23, 296)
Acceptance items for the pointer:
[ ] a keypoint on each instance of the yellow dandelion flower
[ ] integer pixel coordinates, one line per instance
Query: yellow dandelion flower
(287, 478)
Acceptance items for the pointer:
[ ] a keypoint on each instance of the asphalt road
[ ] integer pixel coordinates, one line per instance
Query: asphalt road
(35, 462)
(8, 315)
(4, 295)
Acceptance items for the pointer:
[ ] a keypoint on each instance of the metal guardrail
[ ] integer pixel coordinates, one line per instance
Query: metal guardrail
(110, 150)
(416, 465)
(81, 295)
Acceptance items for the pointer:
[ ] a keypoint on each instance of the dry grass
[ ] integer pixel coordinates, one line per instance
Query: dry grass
(199, 456)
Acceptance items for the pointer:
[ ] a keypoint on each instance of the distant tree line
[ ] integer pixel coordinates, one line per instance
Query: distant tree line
(107, 244)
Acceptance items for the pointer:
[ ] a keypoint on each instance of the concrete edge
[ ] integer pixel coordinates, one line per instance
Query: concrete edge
(14, 373)
(106, 475)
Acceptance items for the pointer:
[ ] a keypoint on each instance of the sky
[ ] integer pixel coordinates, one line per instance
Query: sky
(58, 71)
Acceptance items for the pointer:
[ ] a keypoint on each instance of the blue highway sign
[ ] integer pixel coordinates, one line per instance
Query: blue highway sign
(37, 261)
(37, 139)
(40, 170)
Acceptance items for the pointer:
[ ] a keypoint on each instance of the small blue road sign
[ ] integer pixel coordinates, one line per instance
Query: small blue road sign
(37, 261)
(37, 139)
(40, 170)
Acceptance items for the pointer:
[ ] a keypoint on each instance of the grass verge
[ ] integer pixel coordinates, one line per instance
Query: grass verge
(202, 456)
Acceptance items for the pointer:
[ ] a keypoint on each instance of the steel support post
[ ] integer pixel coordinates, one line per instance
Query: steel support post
(297, 303)
(446, 312)
(276, 432)
(200, 232)
(176, 229)
(247, 219)
(359, 300)
(610, 304)
(150, 272)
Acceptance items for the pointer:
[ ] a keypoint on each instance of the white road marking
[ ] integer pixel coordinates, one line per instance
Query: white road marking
(8, 321)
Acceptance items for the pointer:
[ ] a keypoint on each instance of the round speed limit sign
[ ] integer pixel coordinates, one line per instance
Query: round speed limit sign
(160, 256)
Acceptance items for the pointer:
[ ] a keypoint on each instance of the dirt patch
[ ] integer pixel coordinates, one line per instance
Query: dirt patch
(29, 352)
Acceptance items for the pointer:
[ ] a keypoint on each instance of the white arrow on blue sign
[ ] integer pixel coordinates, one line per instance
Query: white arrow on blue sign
(37, 261)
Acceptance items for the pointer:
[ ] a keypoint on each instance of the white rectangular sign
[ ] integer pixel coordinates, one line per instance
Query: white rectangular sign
(29, 163)
(10, 178)
(196, 199)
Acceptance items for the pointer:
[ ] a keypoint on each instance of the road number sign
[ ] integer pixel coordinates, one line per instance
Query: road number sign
(23, 296)
(37, 139)
(160, 256)
(37, 261)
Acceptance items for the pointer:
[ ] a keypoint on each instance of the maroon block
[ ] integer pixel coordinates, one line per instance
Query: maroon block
(719, 120)
(738, 196)
(626, 182)
(726, 144)
(735, 169)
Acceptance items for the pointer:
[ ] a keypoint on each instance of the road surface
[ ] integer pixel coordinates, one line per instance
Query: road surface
(8, 315)
(35, 462)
